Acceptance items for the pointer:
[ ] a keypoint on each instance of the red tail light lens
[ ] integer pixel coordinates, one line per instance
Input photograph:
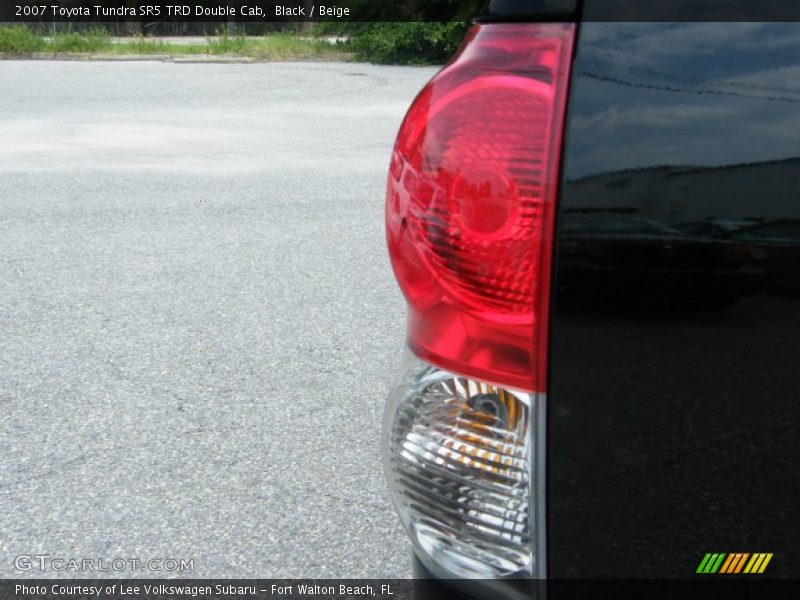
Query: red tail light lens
(470, 201)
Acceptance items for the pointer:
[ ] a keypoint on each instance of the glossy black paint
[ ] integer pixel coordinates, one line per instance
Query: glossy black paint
(674, 413)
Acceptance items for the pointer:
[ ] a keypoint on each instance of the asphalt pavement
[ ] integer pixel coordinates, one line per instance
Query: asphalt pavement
(198, 321)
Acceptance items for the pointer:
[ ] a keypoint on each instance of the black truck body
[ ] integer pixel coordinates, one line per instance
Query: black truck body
(675, 335)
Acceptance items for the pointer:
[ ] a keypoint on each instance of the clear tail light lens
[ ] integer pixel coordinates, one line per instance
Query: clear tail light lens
(469, 220)
(458, 462)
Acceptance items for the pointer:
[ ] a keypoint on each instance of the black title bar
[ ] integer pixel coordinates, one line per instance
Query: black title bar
(697, 588)
(266, 11)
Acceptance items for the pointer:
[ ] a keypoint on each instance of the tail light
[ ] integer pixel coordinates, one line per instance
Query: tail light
(469, 219)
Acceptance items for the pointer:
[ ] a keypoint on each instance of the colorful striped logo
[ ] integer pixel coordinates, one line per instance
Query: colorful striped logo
(735, 562)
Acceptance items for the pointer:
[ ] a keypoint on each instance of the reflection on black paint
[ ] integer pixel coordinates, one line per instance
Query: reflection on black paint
(674, 417)
(660, 239)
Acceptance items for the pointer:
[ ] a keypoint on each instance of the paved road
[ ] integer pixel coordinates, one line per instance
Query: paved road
(198, 322)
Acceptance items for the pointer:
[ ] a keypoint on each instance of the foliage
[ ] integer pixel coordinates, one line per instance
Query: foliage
(285, 46)
(224, 43)
(143, 45)
(92, 40)
(411, 43)
(422, 31)
(18, 40)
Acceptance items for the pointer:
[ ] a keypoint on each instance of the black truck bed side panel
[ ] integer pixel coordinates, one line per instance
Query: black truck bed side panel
(675, 336)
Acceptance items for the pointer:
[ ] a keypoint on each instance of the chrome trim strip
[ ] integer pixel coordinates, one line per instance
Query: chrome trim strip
(538, 500)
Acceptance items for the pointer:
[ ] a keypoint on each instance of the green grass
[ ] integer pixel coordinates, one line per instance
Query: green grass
(274, 47)
(285, 46)
(17, 40)
(227, 44)
(142, 45)
(94, 40)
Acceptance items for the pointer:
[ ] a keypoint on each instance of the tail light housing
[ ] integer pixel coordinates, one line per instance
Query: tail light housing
(469, 219)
